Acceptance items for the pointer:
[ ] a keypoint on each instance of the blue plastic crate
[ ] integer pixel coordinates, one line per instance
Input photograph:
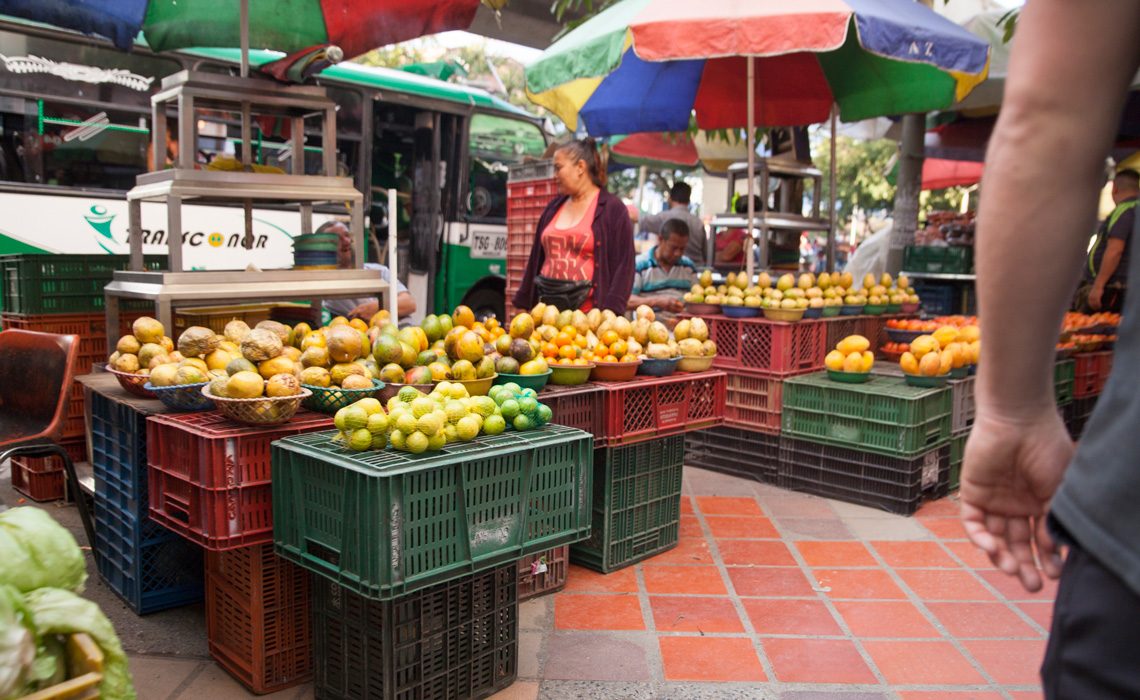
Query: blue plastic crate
(118, 454)
(150, 568)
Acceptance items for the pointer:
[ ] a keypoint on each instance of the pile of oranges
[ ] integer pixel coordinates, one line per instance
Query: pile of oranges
(612, 347)
(567, 347)
(931, 325)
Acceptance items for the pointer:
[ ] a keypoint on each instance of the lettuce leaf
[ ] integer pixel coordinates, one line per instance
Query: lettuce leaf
(17, 644)
(57, 611)
(37, 552)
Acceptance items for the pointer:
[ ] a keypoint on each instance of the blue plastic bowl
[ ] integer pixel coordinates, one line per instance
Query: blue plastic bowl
(813, 313)
(658, 367)
(182, 397)
(740, 311)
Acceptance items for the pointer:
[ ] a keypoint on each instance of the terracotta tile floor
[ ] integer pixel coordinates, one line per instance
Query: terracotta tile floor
(770, 595)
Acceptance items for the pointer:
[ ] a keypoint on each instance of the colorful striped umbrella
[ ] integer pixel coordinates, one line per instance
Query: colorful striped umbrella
(356, 26)
(646, 65)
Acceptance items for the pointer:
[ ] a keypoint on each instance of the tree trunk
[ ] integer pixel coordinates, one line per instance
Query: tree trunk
(909, 187)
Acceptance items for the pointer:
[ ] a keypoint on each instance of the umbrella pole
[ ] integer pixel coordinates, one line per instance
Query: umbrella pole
(750, 264)
(244, 30)
(393, 280)
(831, 199)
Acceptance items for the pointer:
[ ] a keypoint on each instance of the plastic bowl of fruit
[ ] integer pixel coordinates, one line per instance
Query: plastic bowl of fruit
(622, 371)
(894, 308)
(570, 375)
(838, 375)
(898, 335)
(525, 381)
(851, 310)
(909, 307)
(813, 312)
(477, 387)
(960, 372)
(740, 311)
(830, 311)
(330, 399)
(875, 310)
(658, 366)
(133, 383)
(702, 309)
(695, 364)
(924, 381)
(785, 315)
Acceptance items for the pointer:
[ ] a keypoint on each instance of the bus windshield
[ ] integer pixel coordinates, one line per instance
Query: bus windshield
(496, 143)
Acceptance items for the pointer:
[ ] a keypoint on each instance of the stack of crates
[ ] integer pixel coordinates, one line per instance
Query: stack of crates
(1090, 375)
(530, 187)
(62, 294)
(759, 356)
(415, 592)
(147, 566)
(209, 486)
(883, 444)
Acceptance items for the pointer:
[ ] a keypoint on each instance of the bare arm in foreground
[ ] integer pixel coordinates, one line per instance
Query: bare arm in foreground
(1068, 74)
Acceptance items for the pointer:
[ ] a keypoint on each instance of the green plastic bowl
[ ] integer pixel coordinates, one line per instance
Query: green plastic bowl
(894, 308)
(570, 375)
(525, 381)
(333, 398)
(960, 372)
(830, 311)
(926, 382)
(848, 377)
(874, 310)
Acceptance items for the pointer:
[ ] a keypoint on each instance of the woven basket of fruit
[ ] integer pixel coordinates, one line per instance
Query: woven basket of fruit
(264, 410)
(133, 383)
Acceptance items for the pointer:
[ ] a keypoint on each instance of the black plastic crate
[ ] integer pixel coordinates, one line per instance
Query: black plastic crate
(745, 453)
(64, 284)
(1077, 415)
(636, 506)
(895, 484)
(453, 640)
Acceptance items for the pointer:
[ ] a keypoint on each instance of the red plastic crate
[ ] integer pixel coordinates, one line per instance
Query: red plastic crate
(74, 424)
(75, 448)
(543, 573)
(839, 327)
(210, 477)
(1091, 372)
(656, 407)
(38, 486)
(257, 618)
(769, 348)
(578, 407)
(91, 329)
(754, 403)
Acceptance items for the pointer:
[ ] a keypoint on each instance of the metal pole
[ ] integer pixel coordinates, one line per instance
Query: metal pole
(831, 199)
(244, 28)
(750, 264)
(393, 277)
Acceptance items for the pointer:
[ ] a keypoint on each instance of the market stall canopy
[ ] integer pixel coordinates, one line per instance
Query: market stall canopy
(712, 153)
(356, 26)
(646, 65)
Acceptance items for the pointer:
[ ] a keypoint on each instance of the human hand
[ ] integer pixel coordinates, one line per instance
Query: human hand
(665, 303)
(1096, 297)
(1012, 468)
(366, 310)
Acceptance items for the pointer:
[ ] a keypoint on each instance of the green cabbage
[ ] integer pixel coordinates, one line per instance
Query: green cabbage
(57, 611)
(17, 644)
(37, 552)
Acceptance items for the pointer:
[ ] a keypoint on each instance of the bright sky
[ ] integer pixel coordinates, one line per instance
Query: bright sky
(452, 40)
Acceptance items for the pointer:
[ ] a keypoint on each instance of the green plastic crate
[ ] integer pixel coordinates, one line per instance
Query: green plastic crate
(939, 259)
(1064, 381)
(386, 523)
(957, 453)
(637, 504)
(64, 284)
(884, 415)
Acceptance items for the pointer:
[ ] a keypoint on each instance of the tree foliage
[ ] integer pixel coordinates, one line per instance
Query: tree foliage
(861, 173)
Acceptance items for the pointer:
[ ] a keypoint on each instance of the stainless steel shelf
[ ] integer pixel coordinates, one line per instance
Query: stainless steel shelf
(773, 220)
(169, 290)
(945, 276)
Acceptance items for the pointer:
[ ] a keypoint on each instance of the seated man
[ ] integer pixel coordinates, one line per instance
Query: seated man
(362, 308)
(663, 273)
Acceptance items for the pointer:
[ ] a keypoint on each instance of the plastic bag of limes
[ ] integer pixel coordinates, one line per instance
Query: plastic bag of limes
(520, 408)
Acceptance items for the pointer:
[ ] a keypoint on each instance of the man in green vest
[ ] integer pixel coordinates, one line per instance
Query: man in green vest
(1108, 257)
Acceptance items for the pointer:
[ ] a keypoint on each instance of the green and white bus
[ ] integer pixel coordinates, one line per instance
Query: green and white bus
(75, 131)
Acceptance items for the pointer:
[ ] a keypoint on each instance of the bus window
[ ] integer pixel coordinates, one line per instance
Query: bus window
(495, 144)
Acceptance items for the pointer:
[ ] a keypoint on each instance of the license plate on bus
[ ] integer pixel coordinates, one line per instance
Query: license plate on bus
(488, 244)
